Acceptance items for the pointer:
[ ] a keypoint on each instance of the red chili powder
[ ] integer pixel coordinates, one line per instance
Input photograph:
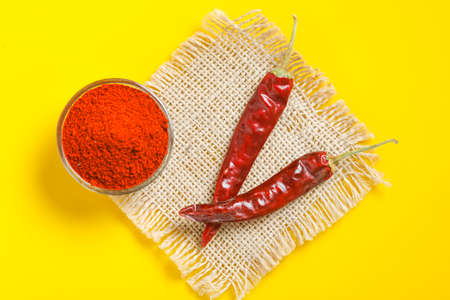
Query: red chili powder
(115, 136)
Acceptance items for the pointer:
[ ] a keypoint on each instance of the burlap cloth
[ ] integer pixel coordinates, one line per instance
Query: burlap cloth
(205, 87)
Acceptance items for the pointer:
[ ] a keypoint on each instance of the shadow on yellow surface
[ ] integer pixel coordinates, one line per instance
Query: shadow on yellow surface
(67, 199)
(64, 195)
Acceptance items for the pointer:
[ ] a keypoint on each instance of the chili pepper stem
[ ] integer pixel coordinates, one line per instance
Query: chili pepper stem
(281, 70)
(342, 156)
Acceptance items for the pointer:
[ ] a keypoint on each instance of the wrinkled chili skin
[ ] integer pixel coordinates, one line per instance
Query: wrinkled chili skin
(295, 180)
(257, 121)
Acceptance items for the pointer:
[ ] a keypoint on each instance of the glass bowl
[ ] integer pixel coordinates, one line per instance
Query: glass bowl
(75, 174)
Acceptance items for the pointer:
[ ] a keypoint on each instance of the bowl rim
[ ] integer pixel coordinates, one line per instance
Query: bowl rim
(67, 109)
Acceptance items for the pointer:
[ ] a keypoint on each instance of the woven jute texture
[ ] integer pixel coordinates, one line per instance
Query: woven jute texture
(205, 87)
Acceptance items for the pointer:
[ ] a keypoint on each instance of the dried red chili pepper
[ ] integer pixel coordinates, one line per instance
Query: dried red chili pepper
(296, 179)
(257, 121)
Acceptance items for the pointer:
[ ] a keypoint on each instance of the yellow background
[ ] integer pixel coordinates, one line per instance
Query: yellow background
(388, 59)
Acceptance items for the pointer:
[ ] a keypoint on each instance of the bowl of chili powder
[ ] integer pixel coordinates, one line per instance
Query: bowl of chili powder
(114, 136)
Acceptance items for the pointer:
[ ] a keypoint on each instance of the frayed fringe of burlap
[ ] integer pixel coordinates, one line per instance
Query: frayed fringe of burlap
(340, 196)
